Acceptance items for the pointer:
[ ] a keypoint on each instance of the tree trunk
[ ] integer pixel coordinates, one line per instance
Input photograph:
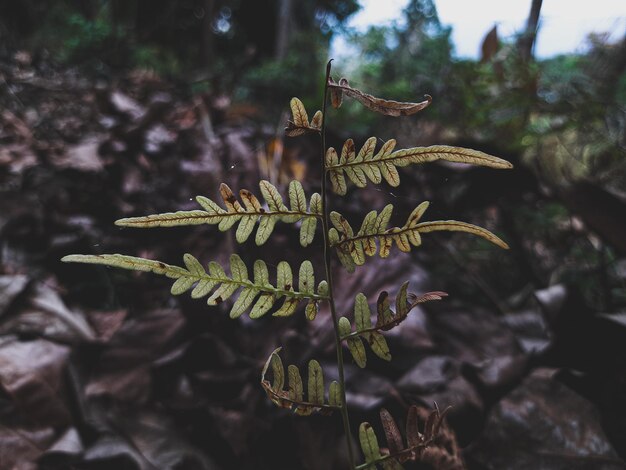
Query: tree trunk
(207, 49)
(283, 28)
(527, 40)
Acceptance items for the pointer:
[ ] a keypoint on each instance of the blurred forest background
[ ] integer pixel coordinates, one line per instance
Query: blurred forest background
(129, 107)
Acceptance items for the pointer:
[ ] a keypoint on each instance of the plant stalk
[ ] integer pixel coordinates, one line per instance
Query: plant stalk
(329, 278)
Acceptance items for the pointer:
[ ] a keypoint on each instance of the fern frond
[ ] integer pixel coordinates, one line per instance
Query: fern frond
(382, 165)
(397, 452)
(258, 288)
(352, 248)
(382, 106)
(300, 123)
(293, 398)
(387, 319)
(247, 214)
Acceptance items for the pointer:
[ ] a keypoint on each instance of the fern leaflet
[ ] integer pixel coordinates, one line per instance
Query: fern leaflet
(382, 165)
(352, 248)
(293, 398)
(397, 452)
(247, 214)
(259, 288)
(386, 319)
(300, 123)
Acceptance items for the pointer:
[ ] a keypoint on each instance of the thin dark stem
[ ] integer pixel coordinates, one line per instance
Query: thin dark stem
(329, 278)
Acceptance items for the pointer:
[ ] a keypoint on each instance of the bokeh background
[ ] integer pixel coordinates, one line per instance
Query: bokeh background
(115, 108)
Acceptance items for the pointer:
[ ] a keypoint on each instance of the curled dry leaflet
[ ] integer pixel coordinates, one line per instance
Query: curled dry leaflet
(258, 294)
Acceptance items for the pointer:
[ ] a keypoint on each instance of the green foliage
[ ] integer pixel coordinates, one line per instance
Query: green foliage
(258, 295)
(84, 37)
(404, 60)
(278, 79)
(92, 36)
(162, 61)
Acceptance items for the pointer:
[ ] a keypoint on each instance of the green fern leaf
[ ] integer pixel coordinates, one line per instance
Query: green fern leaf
(354, 343)
(284, 276)
(311, 310)
(386, 320)
(273, 197)
(296, 389)
(293, 397)
(322, 289)
(369, 443)
(364, 330)
(362, 314)
(238, 268)
(266, 227)
(344, 257)
(246, 215)
(278, 372)
(357, 350)
(202, 289)
(259, 289)
(337, 180)
(368, 226)
(345, 327)
(263, 305)
(316, 383)
(309, 224)
(374, 228)
(306, 277)
(297, 198)
(402, 308)
(287, 309)
(243, 302)
(367, 165)
(261, 274)
(379, 346)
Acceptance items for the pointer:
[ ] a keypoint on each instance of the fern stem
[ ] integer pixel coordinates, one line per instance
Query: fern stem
(329, 277)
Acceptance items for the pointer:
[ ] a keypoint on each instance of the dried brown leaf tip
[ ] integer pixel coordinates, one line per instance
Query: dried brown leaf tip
(382, 106)
(300, 124)
(427, 297)
(444, 452)
(336, 93)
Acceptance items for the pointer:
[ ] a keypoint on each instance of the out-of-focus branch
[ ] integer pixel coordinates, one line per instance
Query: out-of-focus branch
(527, 40)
